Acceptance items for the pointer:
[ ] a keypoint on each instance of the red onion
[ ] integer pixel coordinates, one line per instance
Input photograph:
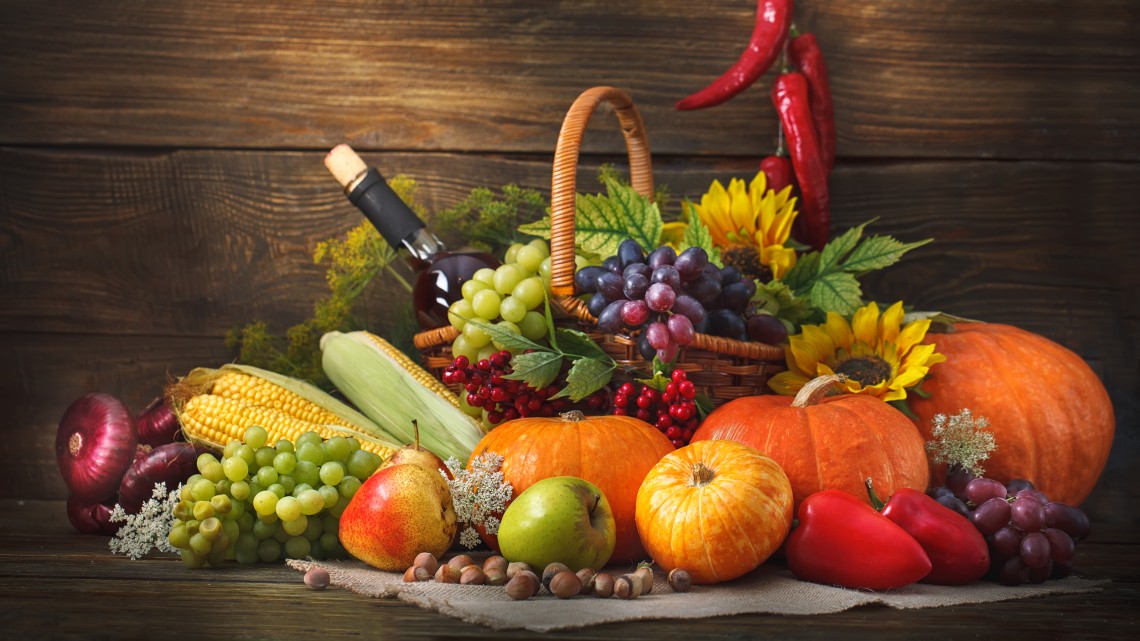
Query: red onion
(94, 446)
(171, 464)
(90, 518)
(157, 424)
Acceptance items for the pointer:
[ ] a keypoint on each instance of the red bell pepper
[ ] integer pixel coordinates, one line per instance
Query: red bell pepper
(957, 550)
(843, 541)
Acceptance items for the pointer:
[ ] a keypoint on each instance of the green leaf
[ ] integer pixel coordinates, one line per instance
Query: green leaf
(602, 222)
(837, 292)
(505, 337)
(574, 343)
(878, 252)
(801, 275)
(834, 251)
(585, 377)
(540, 228)
(658, 382)
(537, 369)
(550, 334)
(697, 234)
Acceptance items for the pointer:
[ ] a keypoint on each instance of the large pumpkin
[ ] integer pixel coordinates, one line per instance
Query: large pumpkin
(612, 452)
(718, 509)
(826, 443)
(1050, 415)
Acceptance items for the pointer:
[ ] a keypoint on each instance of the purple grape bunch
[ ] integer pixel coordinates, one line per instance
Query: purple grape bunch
(671, 296)
(1030, 538)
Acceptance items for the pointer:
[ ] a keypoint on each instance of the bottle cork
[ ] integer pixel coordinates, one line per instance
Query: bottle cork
(346, 166)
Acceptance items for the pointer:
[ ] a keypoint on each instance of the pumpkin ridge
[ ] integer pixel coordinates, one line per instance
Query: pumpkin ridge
(738, 526)
(888, 468)
(698, 493)
(1024, 429)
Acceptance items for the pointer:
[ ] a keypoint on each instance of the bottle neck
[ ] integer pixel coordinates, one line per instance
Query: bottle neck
(423, 245)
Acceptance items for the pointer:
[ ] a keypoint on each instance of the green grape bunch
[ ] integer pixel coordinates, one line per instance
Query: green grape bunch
(266, 503)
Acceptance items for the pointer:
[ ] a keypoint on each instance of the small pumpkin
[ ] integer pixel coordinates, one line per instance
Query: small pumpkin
(1050, 415)
(826, 443)
(612, 452)
(718, 509)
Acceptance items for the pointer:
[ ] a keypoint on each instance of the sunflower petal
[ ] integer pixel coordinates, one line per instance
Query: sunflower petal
(890, 322)
(912, 334)
(787, 383)
(865, 323)
(839, 330)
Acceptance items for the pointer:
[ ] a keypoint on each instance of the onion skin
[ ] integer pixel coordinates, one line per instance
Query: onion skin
(171, 464)
(90, 518)
(94, 446)
(157, 424)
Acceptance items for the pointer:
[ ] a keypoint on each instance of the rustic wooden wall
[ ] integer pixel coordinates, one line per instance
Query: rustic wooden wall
(161, 176)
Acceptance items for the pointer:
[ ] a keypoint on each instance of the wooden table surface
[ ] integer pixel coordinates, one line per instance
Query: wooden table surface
(56, 584)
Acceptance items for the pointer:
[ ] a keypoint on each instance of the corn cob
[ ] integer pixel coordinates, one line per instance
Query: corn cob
(392, 391)
(216, 406)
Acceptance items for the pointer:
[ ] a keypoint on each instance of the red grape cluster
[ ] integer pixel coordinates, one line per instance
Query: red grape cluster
(673, 411)
(1030, 537)
(504, 399)
(673, 296)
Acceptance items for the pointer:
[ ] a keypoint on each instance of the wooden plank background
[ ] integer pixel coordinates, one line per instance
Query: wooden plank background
(161, 177)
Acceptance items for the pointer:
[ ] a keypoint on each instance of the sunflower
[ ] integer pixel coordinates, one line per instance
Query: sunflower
(878, 355)
(750, 224)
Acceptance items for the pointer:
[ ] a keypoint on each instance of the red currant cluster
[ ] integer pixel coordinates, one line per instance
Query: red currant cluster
(673, 411)
(504, 399)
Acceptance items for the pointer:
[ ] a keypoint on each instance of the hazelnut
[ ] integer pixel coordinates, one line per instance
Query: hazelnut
(447, 574)
(414, 574)
(427, 561)
(627, 586)
(461, 561)
(514, 567)
(646, 576)
(522, 586)
(586, 576)
(495, 562)
(680, 580)
(495, 576)
(550, 571)
(317, 579)
(535, 581)
(472, 575)
(603, 585)
(565, 584)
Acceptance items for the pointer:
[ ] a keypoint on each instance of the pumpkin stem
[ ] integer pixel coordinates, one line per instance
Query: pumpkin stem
(815, 389)
(876, 502)
(573, 416)
(702, 474)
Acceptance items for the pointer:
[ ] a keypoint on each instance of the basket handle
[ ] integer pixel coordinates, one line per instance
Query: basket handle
(564, 184)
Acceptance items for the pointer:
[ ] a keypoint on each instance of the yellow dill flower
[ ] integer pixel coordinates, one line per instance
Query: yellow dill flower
(754, 219)
(879, 356)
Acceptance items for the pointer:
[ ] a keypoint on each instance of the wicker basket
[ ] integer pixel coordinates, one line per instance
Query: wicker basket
(722, 368)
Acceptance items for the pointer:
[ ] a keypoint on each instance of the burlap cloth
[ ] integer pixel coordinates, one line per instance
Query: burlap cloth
(768, 590)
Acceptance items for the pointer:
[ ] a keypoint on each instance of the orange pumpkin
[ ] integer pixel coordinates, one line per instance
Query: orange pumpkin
(612, 452)
(822, 443)
(715, 508)
(1050, 415)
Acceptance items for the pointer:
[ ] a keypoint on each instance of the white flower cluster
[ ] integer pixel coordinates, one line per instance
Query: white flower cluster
(149, 528)
(961, 440)
(478, 495)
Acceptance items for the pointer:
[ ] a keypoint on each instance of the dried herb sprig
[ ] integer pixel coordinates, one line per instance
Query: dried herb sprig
(148, 529)
(478, 495)
(961, 440)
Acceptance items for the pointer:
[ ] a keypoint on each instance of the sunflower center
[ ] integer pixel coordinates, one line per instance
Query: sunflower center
(868, 370)
(746, 259)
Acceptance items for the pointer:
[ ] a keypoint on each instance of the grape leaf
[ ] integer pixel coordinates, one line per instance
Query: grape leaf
(585, 377)
(800, 276)
(536, 369)
(697, 234)
(574, 343)
(878, 252)
(834, 251)
(658, 382)
(837, 292)
(506, 338)
(540, 228)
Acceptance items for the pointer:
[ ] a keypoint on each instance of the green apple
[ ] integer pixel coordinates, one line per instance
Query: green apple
(561, 518)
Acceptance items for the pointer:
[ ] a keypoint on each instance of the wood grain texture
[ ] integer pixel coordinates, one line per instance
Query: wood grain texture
(972, 78)
(43, 566)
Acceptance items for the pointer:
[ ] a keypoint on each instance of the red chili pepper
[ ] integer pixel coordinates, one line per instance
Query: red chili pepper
(790, 95)
(842, 540)
(773, 18)
(957, 550)
(778, 170)
(805, 54)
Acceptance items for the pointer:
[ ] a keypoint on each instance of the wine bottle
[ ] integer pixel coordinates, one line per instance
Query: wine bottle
(440, 274)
